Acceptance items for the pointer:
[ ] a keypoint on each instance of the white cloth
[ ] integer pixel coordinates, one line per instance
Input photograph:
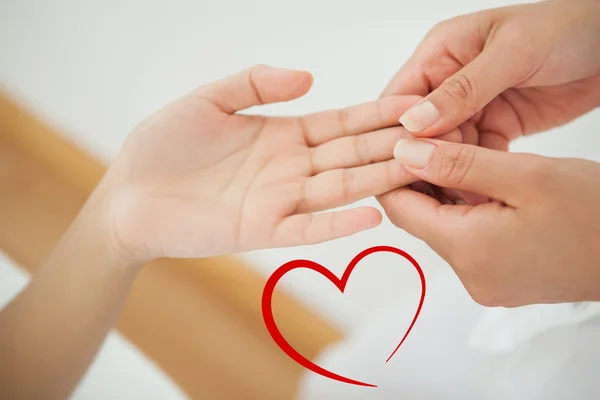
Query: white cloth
(501, 329)
(442, 359)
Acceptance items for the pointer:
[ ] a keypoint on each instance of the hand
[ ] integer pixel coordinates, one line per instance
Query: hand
(197, 179)
(506, 72)
(537, 243)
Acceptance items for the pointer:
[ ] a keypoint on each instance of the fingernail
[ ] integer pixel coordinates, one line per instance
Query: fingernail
(460, 203)
(420, 117)
(413, 153)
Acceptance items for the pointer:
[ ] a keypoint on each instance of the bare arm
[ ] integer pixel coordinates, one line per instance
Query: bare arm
(50, 333)
(196, 179)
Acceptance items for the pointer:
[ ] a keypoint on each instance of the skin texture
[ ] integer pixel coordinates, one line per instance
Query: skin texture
(199, 179)
(194, 180)
(532, 235)
(502, 73)
(216, 181)
(536, 243)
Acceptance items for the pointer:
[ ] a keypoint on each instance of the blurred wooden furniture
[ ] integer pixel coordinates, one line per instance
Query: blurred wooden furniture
(199, 320)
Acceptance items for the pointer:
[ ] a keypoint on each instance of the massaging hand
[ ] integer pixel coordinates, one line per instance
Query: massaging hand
(198, 179)
(539, 242)
(505, 72)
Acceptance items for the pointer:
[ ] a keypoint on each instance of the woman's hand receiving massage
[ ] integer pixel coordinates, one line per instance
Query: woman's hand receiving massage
(197, 179)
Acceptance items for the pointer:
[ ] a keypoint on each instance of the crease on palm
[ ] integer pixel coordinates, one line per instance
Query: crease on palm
(295, 154)
(235, 182)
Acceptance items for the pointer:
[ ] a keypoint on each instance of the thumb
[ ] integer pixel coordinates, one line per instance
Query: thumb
(462, 95)
(499, 175)
(260, 84)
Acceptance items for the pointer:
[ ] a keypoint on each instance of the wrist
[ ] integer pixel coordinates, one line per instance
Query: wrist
(93, 232)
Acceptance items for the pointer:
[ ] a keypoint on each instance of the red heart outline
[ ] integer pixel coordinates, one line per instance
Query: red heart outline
(269, 319)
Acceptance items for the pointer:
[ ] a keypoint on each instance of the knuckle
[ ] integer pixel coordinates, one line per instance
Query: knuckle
(332, 223)
(258, 67)
(461, 88)
(344, 119)
(251, 81)
(442, 26)
(440, 30)
(346, 186)
(361, 149)
(452, 163)
(304, 195)
(379, 112)
(434, 31)
(515, 33)
(306, 228)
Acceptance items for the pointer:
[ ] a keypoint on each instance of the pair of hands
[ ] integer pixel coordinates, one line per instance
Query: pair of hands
(199, 179)
(497, 75)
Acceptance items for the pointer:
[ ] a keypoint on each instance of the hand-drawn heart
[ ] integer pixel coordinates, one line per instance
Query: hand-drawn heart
(269, 319)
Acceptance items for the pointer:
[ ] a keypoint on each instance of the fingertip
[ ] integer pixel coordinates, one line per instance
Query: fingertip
(363, 218)
(306, 80)
(369, 218)
(373, 216)
(296, 75)
(282, 84)
(307, 74)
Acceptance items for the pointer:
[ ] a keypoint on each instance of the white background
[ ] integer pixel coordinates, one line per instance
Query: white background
(96, 68)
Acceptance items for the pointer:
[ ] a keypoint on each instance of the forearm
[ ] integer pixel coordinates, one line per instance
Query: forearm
(51, 332)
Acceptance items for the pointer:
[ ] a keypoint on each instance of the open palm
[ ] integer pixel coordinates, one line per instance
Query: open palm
(199, 179)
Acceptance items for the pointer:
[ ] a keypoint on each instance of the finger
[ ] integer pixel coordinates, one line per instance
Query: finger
(420, 215)
(357, 150)
(410, 79)
(305, 229)
(494, 141)
(324, 126)
(463, 94)
(345, 186)
(504, 115)
(258, 85)
(470, 133)
(489, 140)
(500, 175)
(454, 136)
(463, 197)
(432, 62)
(420, 186)
(363, 149)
